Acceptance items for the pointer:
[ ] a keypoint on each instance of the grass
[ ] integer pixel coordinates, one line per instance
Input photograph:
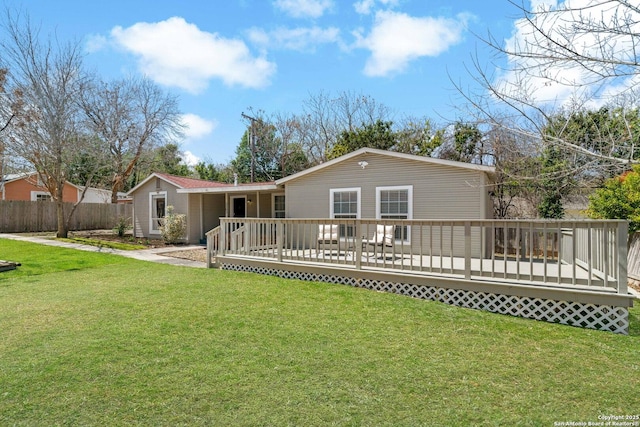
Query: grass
(104, 243)
(97, 339)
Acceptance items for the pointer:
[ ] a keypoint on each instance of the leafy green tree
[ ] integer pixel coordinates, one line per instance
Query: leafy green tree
(377, 135)
(465, 144)
(168, 159)
(272, 156)
(212, 172)
(263, 165)
(207, 171)
(619, 198)
(419, 137)
(554, 183)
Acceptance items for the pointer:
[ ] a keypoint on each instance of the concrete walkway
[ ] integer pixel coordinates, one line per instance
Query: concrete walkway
(152, 255)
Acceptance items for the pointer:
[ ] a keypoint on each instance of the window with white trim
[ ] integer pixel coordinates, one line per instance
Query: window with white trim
(278, 205)
(396, 203)
(157, 210)
(345, 203)
(40, 196)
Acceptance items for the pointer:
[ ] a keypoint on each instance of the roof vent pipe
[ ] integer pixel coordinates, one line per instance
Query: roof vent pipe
(235, 179)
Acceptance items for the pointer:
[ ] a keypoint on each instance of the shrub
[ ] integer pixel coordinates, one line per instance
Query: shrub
(173, 226)
(122, 226)
(618, 199)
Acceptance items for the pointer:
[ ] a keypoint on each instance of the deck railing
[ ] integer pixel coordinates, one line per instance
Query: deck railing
(588, 254)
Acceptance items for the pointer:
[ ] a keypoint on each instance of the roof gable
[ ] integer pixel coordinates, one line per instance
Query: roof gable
(194, 185)
(354, 154)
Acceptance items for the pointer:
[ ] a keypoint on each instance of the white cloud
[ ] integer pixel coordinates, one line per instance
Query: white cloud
(564, 83)
(176, 53)
(95, 43)
(364, 7)
(196, 126)
(304, 8)
(397, 38)
(190, 159)
(300, 39)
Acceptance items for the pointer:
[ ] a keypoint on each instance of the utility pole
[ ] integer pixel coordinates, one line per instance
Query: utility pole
(252, 145)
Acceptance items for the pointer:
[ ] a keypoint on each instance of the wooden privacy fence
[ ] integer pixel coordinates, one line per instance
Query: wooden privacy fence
(26, 217)
(634, 257)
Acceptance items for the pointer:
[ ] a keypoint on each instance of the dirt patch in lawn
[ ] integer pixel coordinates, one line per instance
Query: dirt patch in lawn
(198, 254)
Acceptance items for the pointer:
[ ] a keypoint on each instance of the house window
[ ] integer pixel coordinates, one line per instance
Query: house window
(345, 203)
(157, 210)
(278, 206)
(396, 203)
(40, 196)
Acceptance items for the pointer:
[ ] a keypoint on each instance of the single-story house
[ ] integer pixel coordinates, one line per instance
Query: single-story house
(203, 202)
(28, 187)
(367, 183)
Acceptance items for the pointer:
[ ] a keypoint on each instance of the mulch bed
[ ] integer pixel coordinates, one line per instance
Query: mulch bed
(110, 236)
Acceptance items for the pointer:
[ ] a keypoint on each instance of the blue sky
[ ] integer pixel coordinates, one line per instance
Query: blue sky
(223, 57)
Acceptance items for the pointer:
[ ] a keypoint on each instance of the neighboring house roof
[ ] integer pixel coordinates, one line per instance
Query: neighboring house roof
(14, 177)
(430, 160)
(193, 185)
(18, 176)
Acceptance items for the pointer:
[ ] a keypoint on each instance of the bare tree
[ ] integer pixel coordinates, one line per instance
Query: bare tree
(561, 61)
(50, 78)
(11, 106)
(290, 154)
(130, 116)
(324, 117)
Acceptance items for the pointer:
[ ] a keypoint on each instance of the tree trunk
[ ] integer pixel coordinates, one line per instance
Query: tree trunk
(63, 231)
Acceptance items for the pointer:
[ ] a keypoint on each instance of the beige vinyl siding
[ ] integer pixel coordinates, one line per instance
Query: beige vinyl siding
(141, 204)
(213, 210)
(265, 205)
(439, 192)
(193, 219)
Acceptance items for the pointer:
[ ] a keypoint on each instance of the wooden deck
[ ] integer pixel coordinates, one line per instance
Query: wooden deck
(534, 272)
(565, 272)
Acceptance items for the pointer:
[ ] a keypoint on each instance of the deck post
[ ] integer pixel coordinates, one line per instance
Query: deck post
(222, 244)
(621, 240)
(358, 249)
(209, 244)
(279, 239)
(467, 250)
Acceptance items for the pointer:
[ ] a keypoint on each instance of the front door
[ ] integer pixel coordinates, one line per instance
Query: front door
(239, 207)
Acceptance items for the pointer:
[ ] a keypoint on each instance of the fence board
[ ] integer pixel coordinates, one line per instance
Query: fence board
(17, 216)
(633, 264)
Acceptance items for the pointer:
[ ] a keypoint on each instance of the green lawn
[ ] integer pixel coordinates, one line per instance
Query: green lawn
(96, 339)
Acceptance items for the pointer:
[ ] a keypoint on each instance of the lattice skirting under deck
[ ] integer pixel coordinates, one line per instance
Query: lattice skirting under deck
(591, 316)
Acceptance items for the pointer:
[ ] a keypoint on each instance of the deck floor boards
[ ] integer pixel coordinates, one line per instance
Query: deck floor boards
(522, 272)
